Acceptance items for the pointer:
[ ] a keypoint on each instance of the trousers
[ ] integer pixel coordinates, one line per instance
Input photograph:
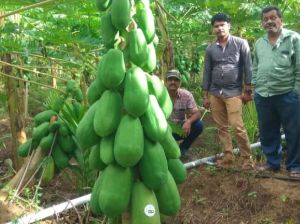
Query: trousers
(227, 112)
(273, 113)
(196, 130)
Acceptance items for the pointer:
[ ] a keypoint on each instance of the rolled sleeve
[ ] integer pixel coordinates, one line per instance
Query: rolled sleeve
(246, 57)
(254, 68)
(207, 70)
(297, 64)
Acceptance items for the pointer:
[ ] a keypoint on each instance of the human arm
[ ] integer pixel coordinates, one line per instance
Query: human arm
(254, 68)
(206, 79)
(194, 116)
(297, 64)
(246, 58)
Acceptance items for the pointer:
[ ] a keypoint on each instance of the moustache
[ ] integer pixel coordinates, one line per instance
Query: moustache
(271, 25)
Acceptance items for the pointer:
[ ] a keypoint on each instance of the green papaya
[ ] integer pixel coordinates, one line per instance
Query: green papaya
(66, 143)
(170, 145)
(95, 91)
(178, 170)
(24, 149)
(94, 204)
(145, 20)
(53, 126)
(95, 161)
(85, 133)
(115, 191)
(60, 158)
(138, 49)
(144, 206)
(44, 116)
(47, 141)
(136, 94)
(129, 141)
(40, 131)
(113, 69)
(63, 129)
(108, 32)
(154, 122)
(107, 149)
(156, 87)
(165, 103)
(168, 197)
(120, 13)
(49, 170)
(108, 113)
(150, 63)
(153, 165)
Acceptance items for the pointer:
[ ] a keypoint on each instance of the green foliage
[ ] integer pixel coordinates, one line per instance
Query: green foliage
(250, 121)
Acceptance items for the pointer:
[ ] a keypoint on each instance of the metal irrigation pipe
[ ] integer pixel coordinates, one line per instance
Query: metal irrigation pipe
(55, 209)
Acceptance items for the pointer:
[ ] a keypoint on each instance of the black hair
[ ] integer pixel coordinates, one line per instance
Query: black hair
(220, 17)
(270, 8)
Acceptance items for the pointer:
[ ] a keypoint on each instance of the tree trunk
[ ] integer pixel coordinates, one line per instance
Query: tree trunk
(15, 112)
(167, 59)
(24, 173)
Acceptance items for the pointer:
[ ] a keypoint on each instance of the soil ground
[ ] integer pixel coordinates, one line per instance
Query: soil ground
(209, 195)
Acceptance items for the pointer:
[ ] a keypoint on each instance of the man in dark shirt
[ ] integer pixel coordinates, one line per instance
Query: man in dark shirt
(227, 67)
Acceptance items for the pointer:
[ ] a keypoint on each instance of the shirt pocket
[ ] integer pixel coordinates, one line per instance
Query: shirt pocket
(234, 57)
(283, 59)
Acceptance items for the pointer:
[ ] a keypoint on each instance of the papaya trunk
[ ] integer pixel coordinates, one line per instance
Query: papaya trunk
(25, 173)
(15, 112)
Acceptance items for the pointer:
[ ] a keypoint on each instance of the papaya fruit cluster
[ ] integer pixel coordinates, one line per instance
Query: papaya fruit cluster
(52, 135)
(183, 67)
(126, 127)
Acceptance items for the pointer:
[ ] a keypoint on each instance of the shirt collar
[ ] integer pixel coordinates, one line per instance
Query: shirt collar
(178, 94)
(229, 39)
(284, 33)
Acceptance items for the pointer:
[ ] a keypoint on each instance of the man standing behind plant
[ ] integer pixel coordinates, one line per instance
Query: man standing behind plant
(276, 78)
(227, 67)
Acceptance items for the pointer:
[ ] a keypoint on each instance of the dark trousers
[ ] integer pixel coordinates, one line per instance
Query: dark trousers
(274, 112)
(196, 129)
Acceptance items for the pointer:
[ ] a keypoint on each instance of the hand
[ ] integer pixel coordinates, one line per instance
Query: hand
(246, 97)
(186, 127)
(206, 103)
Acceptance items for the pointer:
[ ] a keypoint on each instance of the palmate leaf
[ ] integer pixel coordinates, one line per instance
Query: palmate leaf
(51, 99)
(176, 128)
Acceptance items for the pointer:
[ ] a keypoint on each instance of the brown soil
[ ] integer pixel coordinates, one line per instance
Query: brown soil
(209, 195)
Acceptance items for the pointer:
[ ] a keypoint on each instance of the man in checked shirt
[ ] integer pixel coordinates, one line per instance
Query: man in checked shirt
(185, 112)
(226, 86)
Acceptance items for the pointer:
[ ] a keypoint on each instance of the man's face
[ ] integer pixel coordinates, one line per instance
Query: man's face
(172, 83)
(271, 22)
(221, 29)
